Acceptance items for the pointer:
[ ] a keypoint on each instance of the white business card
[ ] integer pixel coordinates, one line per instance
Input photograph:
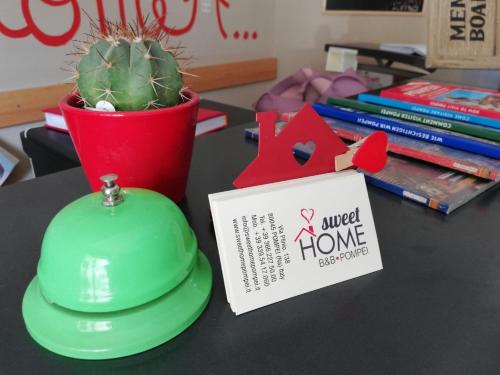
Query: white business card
(280, 240)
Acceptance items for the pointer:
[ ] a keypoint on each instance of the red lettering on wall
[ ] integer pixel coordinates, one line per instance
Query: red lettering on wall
(123, 17)
(161, 16)
(102, 15)
(159, 12)
(32, 28)
(224, 3)
(140, 18)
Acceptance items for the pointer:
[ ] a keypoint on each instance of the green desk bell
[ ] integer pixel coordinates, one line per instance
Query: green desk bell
(119, 273)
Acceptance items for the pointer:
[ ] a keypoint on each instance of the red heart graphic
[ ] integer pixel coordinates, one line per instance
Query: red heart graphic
(372, 155)
(307, 214)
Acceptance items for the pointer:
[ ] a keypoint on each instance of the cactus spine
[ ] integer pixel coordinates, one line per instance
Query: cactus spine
(130, 68)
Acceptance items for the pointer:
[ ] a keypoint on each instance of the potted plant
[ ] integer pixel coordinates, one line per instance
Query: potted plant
(148, 140)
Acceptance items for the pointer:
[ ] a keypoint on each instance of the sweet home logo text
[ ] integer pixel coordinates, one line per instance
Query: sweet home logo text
(341, 237)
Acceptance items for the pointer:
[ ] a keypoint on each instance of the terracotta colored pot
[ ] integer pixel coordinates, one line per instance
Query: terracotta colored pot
(148, 149)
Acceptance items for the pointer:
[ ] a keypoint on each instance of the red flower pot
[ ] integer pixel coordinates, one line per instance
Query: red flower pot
(148, 149)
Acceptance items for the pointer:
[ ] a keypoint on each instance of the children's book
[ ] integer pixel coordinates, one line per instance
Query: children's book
(471, 100)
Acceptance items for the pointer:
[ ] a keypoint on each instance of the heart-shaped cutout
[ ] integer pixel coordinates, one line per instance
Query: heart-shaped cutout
(372, 155)
(303, 151)
(307, 214)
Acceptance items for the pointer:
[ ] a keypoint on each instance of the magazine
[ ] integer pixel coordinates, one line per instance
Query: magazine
(439, 188)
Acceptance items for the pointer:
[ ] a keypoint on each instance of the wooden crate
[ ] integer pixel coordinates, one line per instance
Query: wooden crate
(464, 34)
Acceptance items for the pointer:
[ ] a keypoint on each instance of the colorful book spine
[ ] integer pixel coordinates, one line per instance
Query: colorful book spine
(470, 100)
(461, 161)
(458, 127)
(429, 111)
(422, 132)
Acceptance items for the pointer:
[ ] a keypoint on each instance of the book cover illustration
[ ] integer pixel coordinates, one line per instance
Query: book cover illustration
(461, 161)
(435, 187)
(475, 101)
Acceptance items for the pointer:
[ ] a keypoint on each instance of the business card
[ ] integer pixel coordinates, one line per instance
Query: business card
(284, 239)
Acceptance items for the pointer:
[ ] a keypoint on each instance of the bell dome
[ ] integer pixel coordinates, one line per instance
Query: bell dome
(100, 259)
(119, 273)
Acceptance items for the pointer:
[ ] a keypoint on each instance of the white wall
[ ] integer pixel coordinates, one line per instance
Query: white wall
(37, 64)
(301, 30)
(28, 62)
(294, 31)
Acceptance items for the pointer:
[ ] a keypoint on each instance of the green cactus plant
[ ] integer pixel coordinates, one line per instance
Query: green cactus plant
(131, 68)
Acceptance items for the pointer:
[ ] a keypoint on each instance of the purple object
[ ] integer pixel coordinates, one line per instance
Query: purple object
(307, 85)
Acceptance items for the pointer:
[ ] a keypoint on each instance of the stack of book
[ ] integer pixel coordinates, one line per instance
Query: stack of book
(444, 140)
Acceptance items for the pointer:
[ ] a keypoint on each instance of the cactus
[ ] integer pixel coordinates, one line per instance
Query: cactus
(130, 68)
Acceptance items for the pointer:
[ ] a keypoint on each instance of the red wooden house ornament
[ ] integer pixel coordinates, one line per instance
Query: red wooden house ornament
(275, 160)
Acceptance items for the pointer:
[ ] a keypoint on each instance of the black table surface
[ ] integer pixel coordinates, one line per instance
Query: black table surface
(433, 309)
